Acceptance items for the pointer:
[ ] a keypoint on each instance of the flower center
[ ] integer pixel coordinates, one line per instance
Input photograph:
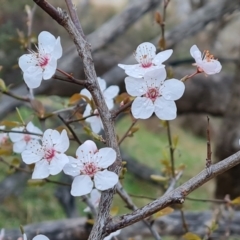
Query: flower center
(145, 61)
(152, 93)
(49, 154)
(90, 169)
(207, 56)
(43, 60)
(27, 138)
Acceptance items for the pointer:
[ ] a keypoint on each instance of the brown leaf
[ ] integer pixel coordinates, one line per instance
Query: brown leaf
(38, 107)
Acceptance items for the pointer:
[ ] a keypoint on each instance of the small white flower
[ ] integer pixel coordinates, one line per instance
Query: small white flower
(3, 137)
(205, 62)
(147, 60)
(95, 196)
(109, 237)
(49, 155)
(94, 121)
(42, 64)
(21, 140)
(90, 166)
(109, 93)
(38, 237)
(153, 94)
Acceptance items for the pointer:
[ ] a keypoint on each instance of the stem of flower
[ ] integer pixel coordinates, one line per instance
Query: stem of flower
(171, 149)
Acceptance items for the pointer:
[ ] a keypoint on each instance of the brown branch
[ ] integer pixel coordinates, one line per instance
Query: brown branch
(10, 94)
(126, 198)
(176, 196)
(128, 132)
(70, 80)
(115, 113)
(209, 150)
(70, 129)
(22, 132)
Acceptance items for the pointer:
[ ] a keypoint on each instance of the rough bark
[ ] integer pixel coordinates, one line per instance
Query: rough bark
(227, 142)
(77, 229)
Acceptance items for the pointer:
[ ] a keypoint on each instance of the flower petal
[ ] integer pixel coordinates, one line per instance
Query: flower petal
(81, 185)
(195, 52)
(50, 69)
(111, 92)
(142, 107)
(40, 237)
(62, 144)
(33, 76)
(105, 157)
(102, 83)
(162, 56)
(31, 128)
(33, 152)
(212, 67)
(46, 42)
(86, 150)
(15, 137)
(73, 167)
(57, 163)
(105, 179)
(164, 109)
(135, 87)
(155, 77)
(57, 51)
(26, 61)
(86, 93)
(95, 123)
(41, 170)
(144, 51)
(19, 147)
(172, 89)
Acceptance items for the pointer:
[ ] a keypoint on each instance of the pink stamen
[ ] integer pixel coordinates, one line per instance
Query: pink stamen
(49, 154)
(43, 61)
(90, 169)
(152, 93)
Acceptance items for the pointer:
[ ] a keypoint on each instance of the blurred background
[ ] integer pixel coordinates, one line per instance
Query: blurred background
(115, 29)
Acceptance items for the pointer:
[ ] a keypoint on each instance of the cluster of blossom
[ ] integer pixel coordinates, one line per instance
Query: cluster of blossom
(146, 81)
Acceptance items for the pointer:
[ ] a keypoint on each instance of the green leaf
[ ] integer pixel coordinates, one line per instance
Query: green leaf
(2, 85)
(36, 182)
(158, 178)
(235, 201)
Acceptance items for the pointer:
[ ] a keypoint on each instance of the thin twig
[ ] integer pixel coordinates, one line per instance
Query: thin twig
(70, 79)
(126, 198)
(185, 226)
(209, 150)
(74, 16)
(10, 94)
(15, 167)
(21, 132)
(171, 149)
(128, 132)
(218, 201)
(115, 113)
(71, 130)
(81, 119)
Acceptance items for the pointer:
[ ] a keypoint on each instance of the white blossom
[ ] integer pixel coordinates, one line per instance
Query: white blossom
(111, 235)
(38, 237)
(48, 156)
(109, 94)
(43, 63)
(89, 169)
(153, 94)
(94, 121)
(205, 62)
(147, 60)
(95, 196)
(21, 140)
